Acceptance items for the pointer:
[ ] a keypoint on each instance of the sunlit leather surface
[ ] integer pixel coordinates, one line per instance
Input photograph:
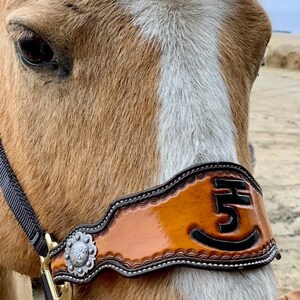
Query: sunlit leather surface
(148, 231)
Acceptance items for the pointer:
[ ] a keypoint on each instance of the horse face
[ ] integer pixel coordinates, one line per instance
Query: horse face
(103, 98)
(76, 122)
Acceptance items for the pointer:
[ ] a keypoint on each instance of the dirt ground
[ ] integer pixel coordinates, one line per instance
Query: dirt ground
(275, 133)
(279, 39)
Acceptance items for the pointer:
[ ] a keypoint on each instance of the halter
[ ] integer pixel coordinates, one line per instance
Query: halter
(208, 216)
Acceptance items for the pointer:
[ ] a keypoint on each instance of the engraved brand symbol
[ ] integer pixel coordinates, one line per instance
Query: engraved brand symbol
(232, 197)
(80, 253)
(235, 195)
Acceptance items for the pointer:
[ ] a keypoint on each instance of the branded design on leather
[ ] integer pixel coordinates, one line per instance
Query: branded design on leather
(224, 204)
(210, 216)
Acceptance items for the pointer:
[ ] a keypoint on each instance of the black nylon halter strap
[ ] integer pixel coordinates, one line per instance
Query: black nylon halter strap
(20, 206)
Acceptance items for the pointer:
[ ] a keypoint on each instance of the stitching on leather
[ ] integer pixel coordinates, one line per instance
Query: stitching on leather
(158, 190)
(202, 255)
(271, 256)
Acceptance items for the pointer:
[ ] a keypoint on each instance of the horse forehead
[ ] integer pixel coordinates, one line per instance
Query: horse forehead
(150, 8)
(155, 19)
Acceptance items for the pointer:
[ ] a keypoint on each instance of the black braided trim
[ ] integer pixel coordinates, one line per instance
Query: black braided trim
(20, 206)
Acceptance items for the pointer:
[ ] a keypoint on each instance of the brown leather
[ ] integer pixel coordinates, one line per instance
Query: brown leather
(145, 235)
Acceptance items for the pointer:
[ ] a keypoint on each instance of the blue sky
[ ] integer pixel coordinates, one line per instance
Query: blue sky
(285, 14)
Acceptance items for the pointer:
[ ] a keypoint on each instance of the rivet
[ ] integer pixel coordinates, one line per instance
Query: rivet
(88, 264)
(81, 253)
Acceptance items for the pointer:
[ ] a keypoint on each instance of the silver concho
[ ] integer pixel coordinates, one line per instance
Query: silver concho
(80, 253)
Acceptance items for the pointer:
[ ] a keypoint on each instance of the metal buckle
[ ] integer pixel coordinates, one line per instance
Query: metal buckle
(53, 291)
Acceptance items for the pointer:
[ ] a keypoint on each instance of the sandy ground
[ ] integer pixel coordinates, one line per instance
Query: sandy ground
(275, 133)
(279, 39)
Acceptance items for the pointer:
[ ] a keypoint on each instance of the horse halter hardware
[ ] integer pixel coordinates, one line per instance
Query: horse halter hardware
(208, 216)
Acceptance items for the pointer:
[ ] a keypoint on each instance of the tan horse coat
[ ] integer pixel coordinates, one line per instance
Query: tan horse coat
(107, 122)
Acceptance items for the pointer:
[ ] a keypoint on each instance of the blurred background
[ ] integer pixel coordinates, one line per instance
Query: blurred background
(275, 134)
(285, 14)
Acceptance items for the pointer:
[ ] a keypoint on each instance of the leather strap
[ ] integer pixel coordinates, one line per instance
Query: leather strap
(20, 206)
(209, 216)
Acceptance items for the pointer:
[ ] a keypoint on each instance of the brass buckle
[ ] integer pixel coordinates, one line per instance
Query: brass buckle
(57, 292)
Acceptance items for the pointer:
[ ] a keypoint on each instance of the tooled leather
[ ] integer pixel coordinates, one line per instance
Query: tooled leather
(158, 191)
(178, 197)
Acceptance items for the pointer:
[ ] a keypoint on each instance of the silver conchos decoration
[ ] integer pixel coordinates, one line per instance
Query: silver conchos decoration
(80, 253)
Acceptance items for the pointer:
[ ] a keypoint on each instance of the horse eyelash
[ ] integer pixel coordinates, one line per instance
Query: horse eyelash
(16, 35)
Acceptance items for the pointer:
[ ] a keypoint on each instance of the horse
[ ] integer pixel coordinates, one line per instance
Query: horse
(105, 98)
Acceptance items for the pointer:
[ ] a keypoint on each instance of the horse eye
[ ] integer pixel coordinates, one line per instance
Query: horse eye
(34, 50)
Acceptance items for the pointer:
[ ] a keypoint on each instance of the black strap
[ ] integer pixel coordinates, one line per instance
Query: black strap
(20, 206)
(46, 288)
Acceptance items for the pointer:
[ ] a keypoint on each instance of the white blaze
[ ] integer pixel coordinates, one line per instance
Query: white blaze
(195, 123)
